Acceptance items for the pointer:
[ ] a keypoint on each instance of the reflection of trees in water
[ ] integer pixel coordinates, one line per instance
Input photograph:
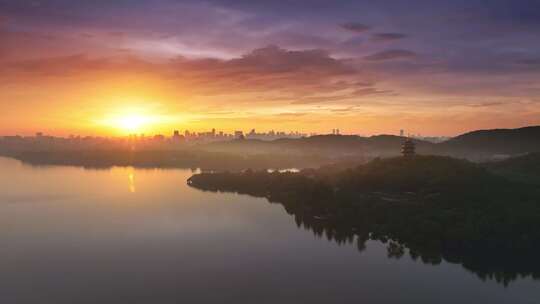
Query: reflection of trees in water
(492, 263)
(502, 267)
(183, 158)
(429, 208)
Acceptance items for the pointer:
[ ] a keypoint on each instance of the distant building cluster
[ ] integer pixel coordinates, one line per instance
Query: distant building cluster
(214, 135)
(176, 140)
(433, 139)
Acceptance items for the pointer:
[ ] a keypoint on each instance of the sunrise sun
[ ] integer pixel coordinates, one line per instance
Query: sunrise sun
(128, 121)
(132, 123)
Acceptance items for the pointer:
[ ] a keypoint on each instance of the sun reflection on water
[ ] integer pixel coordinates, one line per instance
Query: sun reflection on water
(131, 178)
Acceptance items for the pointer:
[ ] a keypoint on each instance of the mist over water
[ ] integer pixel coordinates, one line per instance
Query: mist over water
(125, 235)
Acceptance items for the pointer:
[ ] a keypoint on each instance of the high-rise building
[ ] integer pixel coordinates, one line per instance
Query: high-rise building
(177, 136)
(238, 134)
(401, 132)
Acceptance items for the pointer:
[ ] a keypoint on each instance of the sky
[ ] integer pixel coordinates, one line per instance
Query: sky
(431, 67)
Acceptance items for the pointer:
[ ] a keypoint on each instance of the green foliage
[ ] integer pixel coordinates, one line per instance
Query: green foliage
(525, 168)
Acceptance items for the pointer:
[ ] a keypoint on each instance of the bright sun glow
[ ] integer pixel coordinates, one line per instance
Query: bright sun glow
(129, 121)
(132, 123)
(137, 119)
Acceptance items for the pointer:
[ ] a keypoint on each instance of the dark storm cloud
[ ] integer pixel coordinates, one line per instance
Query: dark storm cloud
(390, 55)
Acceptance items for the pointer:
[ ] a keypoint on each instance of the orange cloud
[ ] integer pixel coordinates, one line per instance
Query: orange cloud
(271, 87)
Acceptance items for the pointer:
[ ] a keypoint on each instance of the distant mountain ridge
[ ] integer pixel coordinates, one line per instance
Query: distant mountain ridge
(314, 151)
(499, 141)
(380, 145)
(476, 144)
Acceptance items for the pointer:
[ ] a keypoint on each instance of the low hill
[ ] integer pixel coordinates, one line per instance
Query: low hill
(420, 175)
(525, 168)
(497, 141)
(336, 145)
(426, 174)
(476, 145)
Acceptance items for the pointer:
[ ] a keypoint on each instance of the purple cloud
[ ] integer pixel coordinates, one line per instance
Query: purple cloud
(355, 27)
(382, 37)
(390, 55)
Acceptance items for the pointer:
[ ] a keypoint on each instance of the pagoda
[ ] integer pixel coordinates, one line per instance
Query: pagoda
(408, 148)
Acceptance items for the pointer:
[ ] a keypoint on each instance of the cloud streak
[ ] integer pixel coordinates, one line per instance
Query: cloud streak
(390, 55)
(356, 27)
(383, 37)
(271, 72)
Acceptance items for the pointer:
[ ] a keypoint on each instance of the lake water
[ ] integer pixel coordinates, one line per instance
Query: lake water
(124, 235)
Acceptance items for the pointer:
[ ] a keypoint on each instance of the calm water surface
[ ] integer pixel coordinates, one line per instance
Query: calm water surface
(70, 235)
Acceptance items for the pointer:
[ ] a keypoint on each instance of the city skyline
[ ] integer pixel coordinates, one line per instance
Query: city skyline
(235, 134)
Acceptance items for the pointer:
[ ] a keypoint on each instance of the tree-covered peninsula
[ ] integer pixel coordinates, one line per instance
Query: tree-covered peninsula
(431, 206)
